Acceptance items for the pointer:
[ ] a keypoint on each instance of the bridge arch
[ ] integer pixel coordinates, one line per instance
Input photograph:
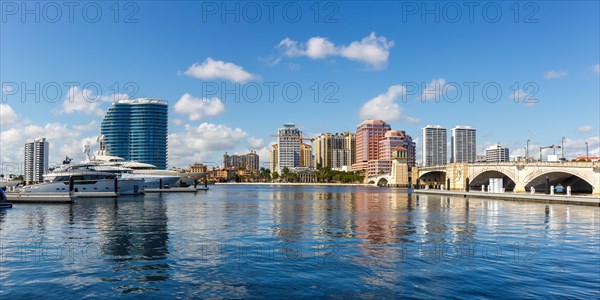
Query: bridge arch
(578, 182)
(383, 181)
(433, 178)
(483, 178)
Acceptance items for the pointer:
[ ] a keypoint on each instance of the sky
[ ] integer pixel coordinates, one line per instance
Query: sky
(234, 72)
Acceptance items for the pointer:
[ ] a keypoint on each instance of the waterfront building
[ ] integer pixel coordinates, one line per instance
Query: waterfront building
(306, 157)
(136, 130)
(368, 135)
(274, 158)
(463, 144)
(435, 145)
(497, 154)
(335, 151)
(36, 160)
(252, 162)
(197, 168)
(249, 161)
(289, 138)
(390, 141)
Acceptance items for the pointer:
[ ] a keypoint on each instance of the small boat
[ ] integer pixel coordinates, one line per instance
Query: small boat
(3, 200)
(559, 189)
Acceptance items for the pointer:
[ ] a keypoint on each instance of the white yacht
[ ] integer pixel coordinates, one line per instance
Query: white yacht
(152, 176)
(86, 182)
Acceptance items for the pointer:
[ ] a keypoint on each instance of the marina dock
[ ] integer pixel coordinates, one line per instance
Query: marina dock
(189, 189)
(543, 198)
(41, 198)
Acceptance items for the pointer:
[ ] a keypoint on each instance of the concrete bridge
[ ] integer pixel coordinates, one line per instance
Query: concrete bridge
(520, 176)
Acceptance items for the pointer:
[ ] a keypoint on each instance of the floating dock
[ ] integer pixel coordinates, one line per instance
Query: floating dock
(543, 198)
(41, 198)
(189, 189)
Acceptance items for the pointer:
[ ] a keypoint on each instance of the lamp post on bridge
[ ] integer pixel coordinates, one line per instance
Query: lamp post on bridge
(527, 151)
(587, 152)
(562, 147)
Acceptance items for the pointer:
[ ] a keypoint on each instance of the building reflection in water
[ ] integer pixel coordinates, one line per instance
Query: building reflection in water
(134, 237)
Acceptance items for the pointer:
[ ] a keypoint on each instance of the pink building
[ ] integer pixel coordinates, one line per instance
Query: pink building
(368, 135)
(391, 140)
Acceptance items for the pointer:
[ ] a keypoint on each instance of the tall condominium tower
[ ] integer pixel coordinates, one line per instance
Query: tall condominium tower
(288, 150)
(390, 141)
(435, 145)
(463, 144)
(368, 135)
(36, 160)
(137, 130)
(335, 151)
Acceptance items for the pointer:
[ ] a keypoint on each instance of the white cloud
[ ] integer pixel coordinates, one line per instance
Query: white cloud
(436, 90)
(114, 97)
(92, 125)
(255, 143)
(202, 143)
(585, 128)
(218, 69)
(522, 96)
(81, 100)
(384, 106)
(596, 68)
(7, 114)
(555, 74)
(177, 122)
(197, 108)
(371, 50)
(574, 148)
(61, 138)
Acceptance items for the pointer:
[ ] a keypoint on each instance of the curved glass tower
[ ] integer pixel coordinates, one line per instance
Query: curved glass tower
(137, 130)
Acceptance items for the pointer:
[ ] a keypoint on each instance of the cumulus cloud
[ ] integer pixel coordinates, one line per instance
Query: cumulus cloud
(384, 106)
(555, 74)
(61, 138)
(198, 108)
(585, 128)
(217, 69)
(201, 143)
(372, 50)
(81, 100)
(255, 143)
(525, 97)
(7, 115)
(436, 90)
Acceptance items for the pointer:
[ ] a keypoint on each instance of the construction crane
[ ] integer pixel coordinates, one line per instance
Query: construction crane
(292, 137)
(548, 147)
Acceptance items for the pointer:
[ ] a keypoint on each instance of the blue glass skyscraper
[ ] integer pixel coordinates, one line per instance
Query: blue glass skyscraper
(137, 130)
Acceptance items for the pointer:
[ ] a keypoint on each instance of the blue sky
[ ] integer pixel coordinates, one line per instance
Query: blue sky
(378, 58)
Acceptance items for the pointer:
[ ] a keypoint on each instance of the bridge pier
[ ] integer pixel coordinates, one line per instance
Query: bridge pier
(519, 187)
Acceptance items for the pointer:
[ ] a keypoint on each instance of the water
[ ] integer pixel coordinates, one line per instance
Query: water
(299, 242)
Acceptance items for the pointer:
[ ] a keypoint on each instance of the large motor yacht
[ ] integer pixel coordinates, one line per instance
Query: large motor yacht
(86, 182)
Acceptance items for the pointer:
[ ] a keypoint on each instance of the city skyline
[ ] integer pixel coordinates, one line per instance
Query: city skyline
(400, 81)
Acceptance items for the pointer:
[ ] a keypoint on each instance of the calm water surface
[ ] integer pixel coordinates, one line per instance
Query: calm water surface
(249, 241)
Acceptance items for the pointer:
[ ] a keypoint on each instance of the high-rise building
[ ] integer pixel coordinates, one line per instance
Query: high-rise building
(390, 141)
(137, 130)
(249, 162)
(435, 145)
(497, 154)
(274, 158)
(335, 151)
(36, 160)
(463, 144)
(306, 157)
(368, 135)
(252, 162)
(288, 141)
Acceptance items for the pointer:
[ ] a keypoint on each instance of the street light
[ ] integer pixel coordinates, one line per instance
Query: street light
(587, 152)
(563, 147)
(527, 150)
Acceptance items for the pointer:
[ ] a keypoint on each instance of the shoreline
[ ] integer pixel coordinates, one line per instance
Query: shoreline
(522, 197)
(293, 183)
